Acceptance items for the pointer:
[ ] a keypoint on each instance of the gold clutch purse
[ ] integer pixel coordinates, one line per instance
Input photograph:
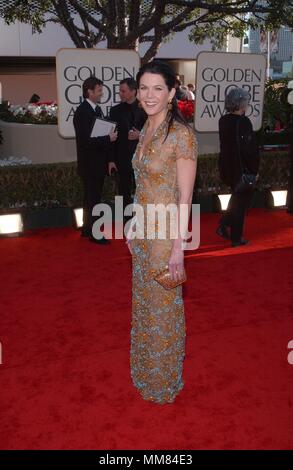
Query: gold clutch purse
(164, 278)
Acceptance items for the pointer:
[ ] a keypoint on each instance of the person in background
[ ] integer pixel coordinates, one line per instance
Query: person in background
(92, 153)
(130, 119)
(238, 148)
(191, 89)
(189, 94)
(181, 95)
(34, 98)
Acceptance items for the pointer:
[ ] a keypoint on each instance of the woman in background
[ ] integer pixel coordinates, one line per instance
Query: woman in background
(238, 151)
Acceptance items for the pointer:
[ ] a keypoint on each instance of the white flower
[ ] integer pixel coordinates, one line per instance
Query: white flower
(17, 110)
(33, 109)
(47, 111)
(15, 161)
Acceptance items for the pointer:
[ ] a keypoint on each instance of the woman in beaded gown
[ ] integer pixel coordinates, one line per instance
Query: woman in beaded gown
(165, 166)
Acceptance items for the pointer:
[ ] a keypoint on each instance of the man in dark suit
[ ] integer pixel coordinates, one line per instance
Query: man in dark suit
(130, 119)
(92, 152)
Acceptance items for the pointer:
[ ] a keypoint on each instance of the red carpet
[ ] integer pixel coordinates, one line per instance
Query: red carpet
(65, 334)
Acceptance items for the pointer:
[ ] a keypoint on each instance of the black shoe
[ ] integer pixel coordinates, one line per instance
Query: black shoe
(223, 232)
(101, 241)
(240, 242)
(86, 234)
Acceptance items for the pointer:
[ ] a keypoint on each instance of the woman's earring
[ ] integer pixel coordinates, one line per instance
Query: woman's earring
(170, 106)
(139, 104)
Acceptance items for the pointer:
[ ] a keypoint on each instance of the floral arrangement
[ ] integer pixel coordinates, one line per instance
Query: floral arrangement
(187, 109)
(15, 161)
(44, 112)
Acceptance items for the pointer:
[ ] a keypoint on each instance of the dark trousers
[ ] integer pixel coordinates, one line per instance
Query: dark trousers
(289, 202)
(126, 182)
(235, 215)
(92, 193)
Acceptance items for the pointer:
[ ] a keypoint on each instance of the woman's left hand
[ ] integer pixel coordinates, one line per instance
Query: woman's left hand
(176, 263)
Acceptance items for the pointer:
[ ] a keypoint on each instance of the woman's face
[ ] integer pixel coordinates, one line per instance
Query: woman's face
(154, 94)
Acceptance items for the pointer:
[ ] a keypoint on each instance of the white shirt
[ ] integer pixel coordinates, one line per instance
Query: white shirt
(93, 105)
(190, 95)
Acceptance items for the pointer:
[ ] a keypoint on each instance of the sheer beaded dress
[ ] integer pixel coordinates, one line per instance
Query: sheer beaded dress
(158, 327)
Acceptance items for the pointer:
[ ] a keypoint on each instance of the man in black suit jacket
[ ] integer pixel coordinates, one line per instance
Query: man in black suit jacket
(130, 119)
(92, 152)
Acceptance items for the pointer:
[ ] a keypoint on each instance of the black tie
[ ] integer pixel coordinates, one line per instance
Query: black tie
(98, 111)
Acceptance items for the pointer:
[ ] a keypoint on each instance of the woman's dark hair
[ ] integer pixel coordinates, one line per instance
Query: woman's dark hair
(90, 84)
(35, 98)
(161, 68)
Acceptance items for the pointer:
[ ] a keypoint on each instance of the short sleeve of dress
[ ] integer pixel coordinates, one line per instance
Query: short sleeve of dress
(186, 144)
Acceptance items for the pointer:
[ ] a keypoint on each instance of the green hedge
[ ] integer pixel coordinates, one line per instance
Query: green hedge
(58, 185)
(274, 138)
